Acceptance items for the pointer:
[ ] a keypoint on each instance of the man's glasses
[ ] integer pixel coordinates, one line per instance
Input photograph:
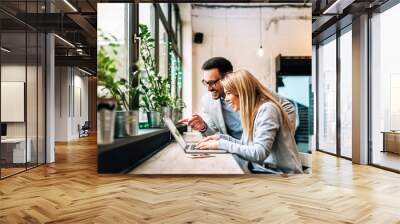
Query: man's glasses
(210, 82)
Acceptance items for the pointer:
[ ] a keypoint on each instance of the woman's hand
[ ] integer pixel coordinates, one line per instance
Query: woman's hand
(210, 144)
(211, 137)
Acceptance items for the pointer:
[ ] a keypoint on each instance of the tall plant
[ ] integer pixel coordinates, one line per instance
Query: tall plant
(155, 89)
(125, 93)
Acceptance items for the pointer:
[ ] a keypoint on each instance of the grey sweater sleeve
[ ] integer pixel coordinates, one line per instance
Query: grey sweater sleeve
(210, 128)
(229, 138)
(266, 126)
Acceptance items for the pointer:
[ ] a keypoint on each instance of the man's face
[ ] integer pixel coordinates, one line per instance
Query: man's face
(211, 79)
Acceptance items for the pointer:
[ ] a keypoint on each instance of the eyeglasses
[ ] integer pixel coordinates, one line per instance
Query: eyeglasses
(210, 82)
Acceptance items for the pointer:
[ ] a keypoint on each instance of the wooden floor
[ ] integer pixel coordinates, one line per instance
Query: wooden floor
(70, 191)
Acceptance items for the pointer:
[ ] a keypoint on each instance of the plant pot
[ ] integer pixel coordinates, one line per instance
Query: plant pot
(176, 115)
(165, 112)
(132, 122)
(154, 119)
(105, 121)
(120, 124)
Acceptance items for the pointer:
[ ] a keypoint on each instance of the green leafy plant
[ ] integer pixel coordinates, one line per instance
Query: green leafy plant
(126, 93)
(177, 104)
(154, 88)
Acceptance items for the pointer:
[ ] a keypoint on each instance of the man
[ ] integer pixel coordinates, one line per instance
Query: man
(218, 115)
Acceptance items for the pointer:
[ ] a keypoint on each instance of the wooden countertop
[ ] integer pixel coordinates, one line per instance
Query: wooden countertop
(173, 160)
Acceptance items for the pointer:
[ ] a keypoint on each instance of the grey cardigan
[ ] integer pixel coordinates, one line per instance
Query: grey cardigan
(273, 144)
(215, 123)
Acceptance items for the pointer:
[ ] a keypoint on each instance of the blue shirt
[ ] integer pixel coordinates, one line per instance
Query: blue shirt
(232, 120)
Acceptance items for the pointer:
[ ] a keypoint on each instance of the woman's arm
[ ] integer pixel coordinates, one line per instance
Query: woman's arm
(229, 138)
(266, 126)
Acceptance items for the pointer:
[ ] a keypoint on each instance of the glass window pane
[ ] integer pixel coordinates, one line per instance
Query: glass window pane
(327, 96)
(31, 98)
(163, 51)
(346, 94)
(13, 84)
(385, 84)
(146, 17)
(164, 9)
(113, 19)
(173, 19)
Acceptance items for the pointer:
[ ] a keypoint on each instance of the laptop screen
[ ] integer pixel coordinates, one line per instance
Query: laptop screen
(178, 137)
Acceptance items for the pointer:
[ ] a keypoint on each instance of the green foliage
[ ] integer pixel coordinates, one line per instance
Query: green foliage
(124, 92)
(177, 104)
(154, 88)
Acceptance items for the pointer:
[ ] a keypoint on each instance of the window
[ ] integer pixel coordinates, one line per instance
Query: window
(346, 93)
(162, 50)
(385, 89)
(113, 19)
(327, 96)
(22, 106)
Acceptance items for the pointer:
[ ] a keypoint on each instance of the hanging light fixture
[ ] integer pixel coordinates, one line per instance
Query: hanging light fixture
(260, 51)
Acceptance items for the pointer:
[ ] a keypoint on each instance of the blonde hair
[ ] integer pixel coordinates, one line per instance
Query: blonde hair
(252, 94)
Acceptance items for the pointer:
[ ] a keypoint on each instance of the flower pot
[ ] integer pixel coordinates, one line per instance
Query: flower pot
(176, 115)
(132, 122)
(120, 124)
(154, 118)
(105, 121)
(165, 112)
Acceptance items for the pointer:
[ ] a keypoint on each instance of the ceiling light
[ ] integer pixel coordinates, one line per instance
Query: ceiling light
(64, 40)
(70, 5)
(260, 51)
(5, 50)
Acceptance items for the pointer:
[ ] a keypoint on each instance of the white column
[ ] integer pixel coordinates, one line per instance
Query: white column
(360, 90)
(50, 100)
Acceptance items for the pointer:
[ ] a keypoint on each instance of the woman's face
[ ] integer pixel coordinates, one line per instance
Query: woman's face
(233, 100)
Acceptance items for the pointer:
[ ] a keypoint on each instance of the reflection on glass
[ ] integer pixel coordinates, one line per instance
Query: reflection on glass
(327, 96)
(15, 151)
(346, 94)
(385, 84)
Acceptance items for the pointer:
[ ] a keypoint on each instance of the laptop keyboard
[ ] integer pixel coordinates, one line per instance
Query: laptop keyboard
(191, 147)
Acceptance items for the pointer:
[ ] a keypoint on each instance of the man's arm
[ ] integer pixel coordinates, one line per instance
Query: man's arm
(210, 126)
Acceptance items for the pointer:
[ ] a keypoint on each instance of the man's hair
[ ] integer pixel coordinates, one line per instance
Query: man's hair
(223, 65)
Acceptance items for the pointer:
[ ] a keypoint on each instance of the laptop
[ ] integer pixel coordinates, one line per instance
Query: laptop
(188, 147)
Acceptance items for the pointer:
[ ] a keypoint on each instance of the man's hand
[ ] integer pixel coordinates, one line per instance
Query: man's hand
(196, 122)
(210, 144)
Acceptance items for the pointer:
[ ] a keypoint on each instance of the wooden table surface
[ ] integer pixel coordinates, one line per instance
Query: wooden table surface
(173, 160)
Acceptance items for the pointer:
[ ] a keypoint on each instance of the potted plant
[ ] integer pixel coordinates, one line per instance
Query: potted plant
(154, 88)
(125, 93)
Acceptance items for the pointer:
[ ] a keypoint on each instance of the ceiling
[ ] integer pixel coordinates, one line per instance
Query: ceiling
(74, 22)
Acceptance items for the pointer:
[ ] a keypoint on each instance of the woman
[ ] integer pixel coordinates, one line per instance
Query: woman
(267, 141)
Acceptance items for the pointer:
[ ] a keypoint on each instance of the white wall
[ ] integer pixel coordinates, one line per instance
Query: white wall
(234, 33)
(70, 83)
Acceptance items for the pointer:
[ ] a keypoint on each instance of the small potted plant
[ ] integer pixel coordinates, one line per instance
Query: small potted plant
(125, 93)
(155, 89)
